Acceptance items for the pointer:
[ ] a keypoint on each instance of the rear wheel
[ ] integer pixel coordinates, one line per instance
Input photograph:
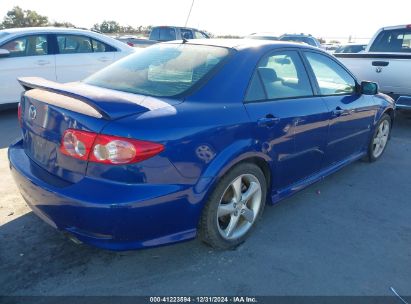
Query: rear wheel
(380, 138)
(234, 207)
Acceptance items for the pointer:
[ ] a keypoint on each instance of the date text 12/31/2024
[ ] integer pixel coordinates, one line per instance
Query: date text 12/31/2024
(203, 299)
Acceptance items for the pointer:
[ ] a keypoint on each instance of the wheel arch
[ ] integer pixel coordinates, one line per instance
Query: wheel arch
(390, 112)
(263, 161)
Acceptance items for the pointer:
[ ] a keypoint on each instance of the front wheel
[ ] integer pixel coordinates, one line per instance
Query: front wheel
(380, 138)
(234, 207)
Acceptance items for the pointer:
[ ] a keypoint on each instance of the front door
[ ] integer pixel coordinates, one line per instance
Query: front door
(29, 56)
(350, 114)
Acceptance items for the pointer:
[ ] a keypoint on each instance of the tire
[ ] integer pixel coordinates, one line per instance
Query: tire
(372, 156)
(226, 220)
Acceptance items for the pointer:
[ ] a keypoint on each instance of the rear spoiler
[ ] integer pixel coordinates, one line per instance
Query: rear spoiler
(29, 83)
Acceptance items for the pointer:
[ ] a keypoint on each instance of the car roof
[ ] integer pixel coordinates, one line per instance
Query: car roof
(242, 44)
(178, 27)
(42, 30)
(395, 27)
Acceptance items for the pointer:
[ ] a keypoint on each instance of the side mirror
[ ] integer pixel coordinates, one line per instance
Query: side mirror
(4, 53)
(369, 88)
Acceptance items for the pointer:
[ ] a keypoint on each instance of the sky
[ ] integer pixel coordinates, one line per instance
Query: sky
(327, 19)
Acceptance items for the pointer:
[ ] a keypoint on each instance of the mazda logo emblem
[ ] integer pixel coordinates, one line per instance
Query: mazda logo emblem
(32, 112)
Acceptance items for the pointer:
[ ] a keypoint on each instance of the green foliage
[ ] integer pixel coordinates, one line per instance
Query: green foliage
(111, 27)
(62, 24)
(17, 17)
(107, 27)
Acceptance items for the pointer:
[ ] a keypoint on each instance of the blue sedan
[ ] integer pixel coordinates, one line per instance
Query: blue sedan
(191, 138)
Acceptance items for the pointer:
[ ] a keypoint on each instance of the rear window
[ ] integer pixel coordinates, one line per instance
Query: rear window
(167, 34)
(398, 40)
(162, 70)
(350, 49)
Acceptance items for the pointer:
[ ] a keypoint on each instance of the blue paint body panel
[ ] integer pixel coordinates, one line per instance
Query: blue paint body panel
(159, 201)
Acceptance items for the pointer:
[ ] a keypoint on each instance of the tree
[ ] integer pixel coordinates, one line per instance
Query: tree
(321, 40)
(17, 17)
(62, 24)
(335, 42)
(107, 27)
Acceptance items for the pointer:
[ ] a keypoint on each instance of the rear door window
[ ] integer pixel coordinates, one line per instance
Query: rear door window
(278, 76)
(76, 44)
(34, 45)
(398, 40)
(99, 46)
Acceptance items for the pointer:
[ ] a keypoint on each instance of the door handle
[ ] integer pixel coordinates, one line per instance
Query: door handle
(268, 120)
(380, 63)
(42, 62)
(338, 111)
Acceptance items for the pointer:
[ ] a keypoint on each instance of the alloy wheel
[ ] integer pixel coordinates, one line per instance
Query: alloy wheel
(381, 138)
(239, 206)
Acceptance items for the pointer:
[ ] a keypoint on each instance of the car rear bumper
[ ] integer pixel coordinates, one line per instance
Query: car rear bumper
(113, 216)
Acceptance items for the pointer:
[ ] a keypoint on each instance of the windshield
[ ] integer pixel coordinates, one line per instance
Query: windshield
(161, 70)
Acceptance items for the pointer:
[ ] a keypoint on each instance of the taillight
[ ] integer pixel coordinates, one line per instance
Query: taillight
(77, 143)
(107, 149)
(19, 113)
(130, 43)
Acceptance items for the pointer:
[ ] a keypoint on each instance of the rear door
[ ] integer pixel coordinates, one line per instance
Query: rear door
(350, 115)
(79, 56)
(29, 56)
(291, 123)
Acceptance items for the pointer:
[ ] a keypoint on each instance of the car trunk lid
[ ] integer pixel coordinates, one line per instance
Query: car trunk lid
(49, 108)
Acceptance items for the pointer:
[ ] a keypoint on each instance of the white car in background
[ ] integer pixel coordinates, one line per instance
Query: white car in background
(57, 54)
